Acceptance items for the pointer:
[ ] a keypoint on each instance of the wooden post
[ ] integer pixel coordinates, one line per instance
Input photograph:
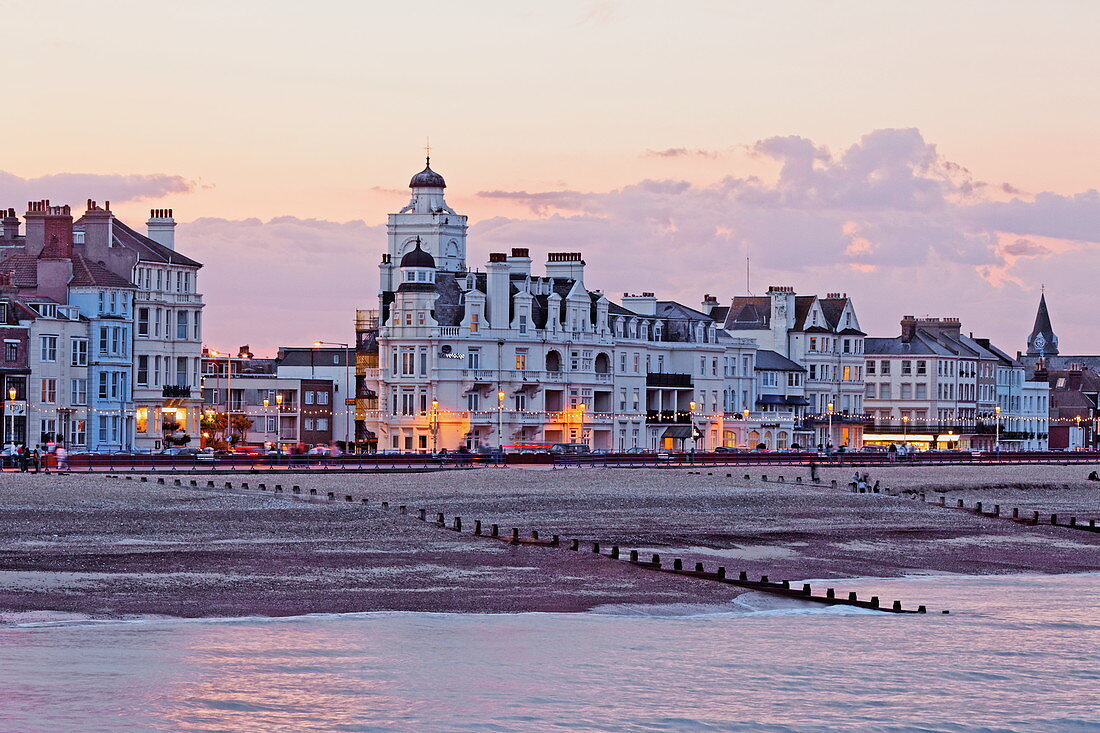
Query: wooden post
(806, 589)
(534, 534)
(743, 576)
(1015, 512)
(331, 495)
(297, 490)
(457, 526)
(633, 556)
(721, 572)
(656, 559)
(996, 510)
(852, 595)
(515, 535)
(677, 564)
(423, 515)
(763, 578)
(698, 567)
(439, 518)
(1053, 520)
(614, 552)
(348, 498)
(494, 531)
(477, 527)
(874, 601)
(312, 492)
(830, 593)
(897, 605)
(575, 545)
(596, 547)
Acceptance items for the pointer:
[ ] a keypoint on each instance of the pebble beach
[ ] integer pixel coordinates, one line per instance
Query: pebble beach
(99, 547)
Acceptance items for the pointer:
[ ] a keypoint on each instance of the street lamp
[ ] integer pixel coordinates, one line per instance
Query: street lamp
(745, 429)
(347, 388)
(829, 437)
(279, 423)
(580, 414)
(435, 426)
(500, 420)
(905, 429)
(997, 440)
(9, 414)
(691, 421)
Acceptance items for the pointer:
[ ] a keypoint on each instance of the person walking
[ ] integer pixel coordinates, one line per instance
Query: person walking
(22, 458)
(813, 472)
(62, 456)
(36, 458)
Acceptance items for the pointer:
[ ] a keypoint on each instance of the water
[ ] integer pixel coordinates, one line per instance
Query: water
(1016, 653)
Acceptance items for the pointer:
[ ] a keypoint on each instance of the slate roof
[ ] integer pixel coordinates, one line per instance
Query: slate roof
(147, 250)
(771, 361)
(747, 312)
(25, 267)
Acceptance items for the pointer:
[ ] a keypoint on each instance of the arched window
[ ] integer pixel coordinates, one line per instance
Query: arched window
(553, 361)
(781, 440)
(603, 363)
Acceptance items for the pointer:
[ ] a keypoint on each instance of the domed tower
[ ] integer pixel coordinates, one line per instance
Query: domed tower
(414, 300)
(427, 218)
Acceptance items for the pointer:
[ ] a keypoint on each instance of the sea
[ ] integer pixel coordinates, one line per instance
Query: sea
(1015, 653)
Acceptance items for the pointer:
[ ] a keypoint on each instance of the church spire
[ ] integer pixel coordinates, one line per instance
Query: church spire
(1042, 342)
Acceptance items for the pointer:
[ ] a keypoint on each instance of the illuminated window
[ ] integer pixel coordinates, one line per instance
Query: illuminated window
(141, 420)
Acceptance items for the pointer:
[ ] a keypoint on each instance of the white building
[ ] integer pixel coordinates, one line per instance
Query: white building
(508, 357)
(820, 334)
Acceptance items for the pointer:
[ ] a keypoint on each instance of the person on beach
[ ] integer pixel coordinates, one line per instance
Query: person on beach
(813, 471)
(36, 458)
(62, 456)
(22, 458)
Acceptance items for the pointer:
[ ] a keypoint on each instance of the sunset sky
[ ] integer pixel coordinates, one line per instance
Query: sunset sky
(936, 158)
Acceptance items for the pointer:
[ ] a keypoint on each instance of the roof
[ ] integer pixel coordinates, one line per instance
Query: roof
(147, 250)
(771, 361)
(672, 309)
(749, 312)
(1042, 340)
(86, 273)
(417, 257)
(94, 274)
(427, 178)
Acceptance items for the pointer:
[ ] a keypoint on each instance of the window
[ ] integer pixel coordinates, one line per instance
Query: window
(922, 391)
(11, 351)
(847, 374)
(49, 391)
(521, 359)
(104, 388)
(870, 394)
(884, 391)
(520, 401)
(322, 423)
(906, 367)
(309, 397)
(408, 361)
(309, 423)
(141, 420)
(847, 346)
(197, 326)
(322, 398)
(78, 391)
(474, 358)
(48, 350)
(473, 401)
(143, 322)
(475, 323)
(922, 368)
(143, 370)
(522, 323)
(871, 367)
(79, 432)
(181, 325)
(885, 370)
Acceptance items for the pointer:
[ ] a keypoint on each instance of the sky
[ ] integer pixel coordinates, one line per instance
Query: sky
(927, 158)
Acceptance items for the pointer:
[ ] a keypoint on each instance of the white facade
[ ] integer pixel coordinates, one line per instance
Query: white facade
(511, 358)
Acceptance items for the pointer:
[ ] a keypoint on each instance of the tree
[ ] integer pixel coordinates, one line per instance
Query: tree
(240, 424)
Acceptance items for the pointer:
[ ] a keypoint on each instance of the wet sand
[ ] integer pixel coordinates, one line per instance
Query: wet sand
(110, 548)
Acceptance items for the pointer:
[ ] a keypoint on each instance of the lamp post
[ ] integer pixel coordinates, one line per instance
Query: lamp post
(9, 414)
(997, 439)
(745, 429)
(347, 387)
(691, 421)
(905, 429)
(580, 415)
(829, 437)
(279, 423)
(500, 421)
(435, 426)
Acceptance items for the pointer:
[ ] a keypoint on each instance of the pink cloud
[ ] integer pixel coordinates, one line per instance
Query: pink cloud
(75, 188)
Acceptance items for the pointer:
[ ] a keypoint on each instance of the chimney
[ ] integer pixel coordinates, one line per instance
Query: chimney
(709, 301)
(49, 230)
(908, 328)
(161, 227)
(9, 226)
(565, 266)
(97, 229)
(644, 304)
(520, 261)
(498, 285)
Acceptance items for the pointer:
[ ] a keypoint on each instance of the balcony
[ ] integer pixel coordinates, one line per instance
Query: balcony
(682, 381)
(668, 417)
(172, 391)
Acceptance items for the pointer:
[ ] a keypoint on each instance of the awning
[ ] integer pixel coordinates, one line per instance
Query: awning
(791, 400)
(770, 399)
(677, 431)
